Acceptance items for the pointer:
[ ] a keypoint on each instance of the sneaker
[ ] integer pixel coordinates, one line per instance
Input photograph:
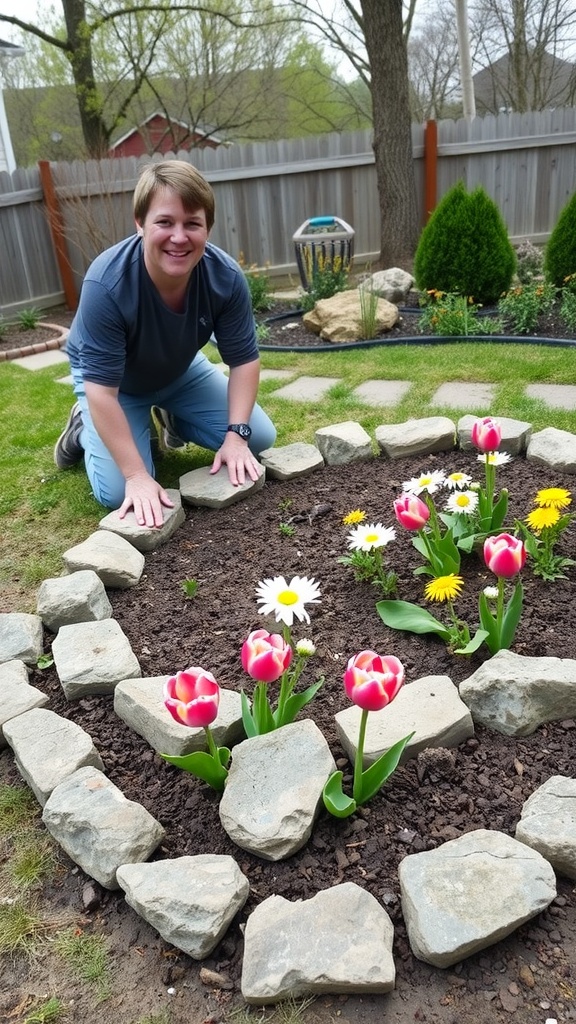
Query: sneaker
(68, 451)
(164, 423)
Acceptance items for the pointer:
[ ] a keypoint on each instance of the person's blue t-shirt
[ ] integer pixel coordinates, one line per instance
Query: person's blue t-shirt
(123, 335)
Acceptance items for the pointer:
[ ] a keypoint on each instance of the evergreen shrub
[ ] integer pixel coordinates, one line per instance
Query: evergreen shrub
(465, 248)
(560, 251)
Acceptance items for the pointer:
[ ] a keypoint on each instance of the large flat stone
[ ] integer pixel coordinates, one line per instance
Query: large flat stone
(416, 437)
(553, 448)
(20, 637)
(200, 487)
(291, 460)
(344, 442)
(79, 597)
(117, 562)
(92, 657)
(145, 538)
(548, 823)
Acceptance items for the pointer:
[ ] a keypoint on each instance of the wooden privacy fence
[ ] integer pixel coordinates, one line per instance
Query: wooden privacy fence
(56, 217)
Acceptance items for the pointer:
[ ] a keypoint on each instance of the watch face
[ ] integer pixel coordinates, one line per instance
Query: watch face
(242, 429)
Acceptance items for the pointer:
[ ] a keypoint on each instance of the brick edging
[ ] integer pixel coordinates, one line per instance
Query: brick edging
(40, 346)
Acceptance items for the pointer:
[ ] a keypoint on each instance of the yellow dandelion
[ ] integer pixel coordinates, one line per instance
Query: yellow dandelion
(356, 516)
(553, 497)
(444, 588)
(540, 518)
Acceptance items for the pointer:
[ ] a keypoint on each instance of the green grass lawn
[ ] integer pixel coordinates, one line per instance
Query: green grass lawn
(44, 511)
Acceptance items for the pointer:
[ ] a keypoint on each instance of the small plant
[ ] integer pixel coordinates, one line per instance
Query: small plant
(547, 522)
(530, 261)
(411, 617)
(328, 276)
(368, 311)
(45, 661)
(87, 956)
(262, 333)
(366, 558)
(287, 530)
(47, 1013)
(454, 316)
(259, 286)
(522, 306)
(29, 319)
(20, 928)
(568, 302)
(190, 588)
(437, 547)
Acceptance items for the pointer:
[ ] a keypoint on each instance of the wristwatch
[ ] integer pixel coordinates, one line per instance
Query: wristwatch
(243, 429)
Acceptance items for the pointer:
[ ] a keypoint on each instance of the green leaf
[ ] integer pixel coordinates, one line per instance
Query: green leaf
(296, 702)
(511, 617)
(45, 661)
(375, 776)
(473, 644)
(204, 766)
(247, 719)
(335, 800)
(500, 510)
(488, 623)
(410, 617)
(261, 711)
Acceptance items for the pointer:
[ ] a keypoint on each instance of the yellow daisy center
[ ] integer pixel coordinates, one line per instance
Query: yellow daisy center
(371, 538)
(425, 480)
(463, 500)
(288, 597)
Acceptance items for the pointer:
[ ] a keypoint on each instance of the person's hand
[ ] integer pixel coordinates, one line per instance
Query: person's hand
(146, 497)
(236, 455)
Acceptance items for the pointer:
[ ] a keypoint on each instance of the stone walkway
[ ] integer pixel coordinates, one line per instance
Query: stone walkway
(378, 393)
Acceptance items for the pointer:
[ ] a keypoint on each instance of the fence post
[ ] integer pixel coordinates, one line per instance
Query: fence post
(56, 223)
(430, 167)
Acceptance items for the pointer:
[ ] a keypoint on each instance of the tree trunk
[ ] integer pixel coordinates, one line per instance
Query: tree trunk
(96, 135)
(388, 60)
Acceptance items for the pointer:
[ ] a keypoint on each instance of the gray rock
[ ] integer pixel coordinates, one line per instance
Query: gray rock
(548, 823)
(215, 491)
(339, 941)
(190, 901)
(342, 443)
(470, 893)
(291, 460)
(12, 673)
(20, 637)
(79, 597)
(393, 284)
(513, 694)
(17, 697)
(339, 318)
(139, 703)
(92, 657)
(145, 538)
(98, 827)
(516, 434)
(117, 562)
(553, 448)
(429, 707)
(274, 789)
(416, 437)
(48, 748)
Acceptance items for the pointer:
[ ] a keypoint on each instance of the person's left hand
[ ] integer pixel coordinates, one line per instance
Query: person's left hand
(236, 455)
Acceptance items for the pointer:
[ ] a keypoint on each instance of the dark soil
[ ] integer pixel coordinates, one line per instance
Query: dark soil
(527, 977)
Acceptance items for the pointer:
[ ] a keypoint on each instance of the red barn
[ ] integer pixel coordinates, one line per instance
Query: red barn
(160, 134)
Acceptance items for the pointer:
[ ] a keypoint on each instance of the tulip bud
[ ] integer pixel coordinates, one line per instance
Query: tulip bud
(192, 697)
(371, 682)
(411, 512)
(265, 656)
(504, 555)
(486, 434)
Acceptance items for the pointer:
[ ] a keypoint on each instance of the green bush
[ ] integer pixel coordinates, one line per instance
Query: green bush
(560, 252)
(465, 248)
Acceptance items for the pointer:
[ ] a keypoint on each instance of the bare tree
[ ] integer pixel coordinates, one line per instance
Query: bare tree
(433, 64)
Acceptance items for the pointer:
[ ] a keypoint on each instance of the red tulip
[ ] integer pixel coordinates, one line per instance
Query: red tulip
(192, 697)
(504, 555)
(371, 682)
(486, 434)
(411, 511)
(265, 656)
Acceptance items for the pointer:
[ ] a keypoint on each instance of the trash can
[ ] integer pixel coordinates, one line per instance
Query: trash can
(320, 241)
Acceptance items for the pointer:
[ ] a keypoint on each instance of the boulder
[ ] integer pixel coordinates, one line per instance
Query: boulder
(339, 318)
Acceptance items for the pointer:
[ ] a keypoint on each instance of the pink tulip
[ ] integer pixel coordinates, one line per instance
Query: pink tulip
(371, 682)
(411, 511)
(265, 656)
(504, 555)
(192, 697)
(486, 434)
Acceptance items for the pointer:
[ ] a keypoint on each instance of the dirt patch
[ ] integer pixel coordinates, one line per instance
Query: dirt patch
(527, 977)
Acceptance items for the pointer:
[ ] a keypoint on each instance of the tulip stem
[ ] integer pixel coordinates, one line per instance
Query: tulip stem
(490, 481)
(213, 749)
(500, 610)
(358, 762)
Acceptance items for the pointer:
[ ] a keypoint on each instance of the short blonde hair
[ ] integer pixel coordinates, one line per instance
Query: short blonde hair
(183, 179)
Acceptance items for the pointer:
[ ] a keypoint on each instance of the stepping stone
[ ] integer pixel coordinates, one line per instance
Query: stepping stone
(417, 437)
(98, 827)
(140, 703)
(342, 443)
(199, 487)
(307, 389)
(276, 375)
(274, 818)
(92, 657)
(430, 707)
(41, 359)
(470, 893)
(548, 823)
(291, 460)
(190, 901)
(48, 748)
(382, 392)
(117, 562)
(464, 395)
(20, 637)
(145, 538)
(557, 396)
(340, 941)
(515, 434)
(79, 597)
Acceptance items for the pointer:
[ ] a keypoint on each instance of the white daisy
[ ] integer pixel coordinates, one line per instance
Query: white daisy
(430, 482)
(286, 600)
(367, 536)
(458, 481)
(463, 502)
(491, 593)
(305, 648)
(494, 458)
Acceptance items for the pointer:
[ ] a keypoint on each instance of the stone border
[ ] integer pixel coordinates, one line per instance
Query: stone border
(40, 346)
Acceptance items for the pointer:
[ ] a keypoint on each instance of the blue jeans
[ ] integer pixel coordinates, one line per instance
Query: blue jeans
(198, 401)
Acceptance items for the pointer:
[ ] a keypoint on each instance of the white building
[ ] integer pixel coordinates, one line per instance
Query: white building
(7, 162)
